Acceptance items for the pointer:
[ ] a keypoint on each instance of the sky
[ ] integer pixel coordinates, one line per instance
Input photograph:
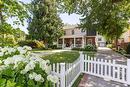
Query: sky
(66, 19)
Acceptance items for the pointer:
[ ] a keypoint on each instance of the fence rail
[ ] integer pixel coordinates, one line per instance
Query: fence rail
(107, 69)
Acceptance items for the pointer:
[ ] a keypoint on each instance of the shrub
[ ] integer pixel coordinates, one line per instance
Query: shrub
(128, 48)
(32, 43)
(53, 46)
(109, 45)
(90, 47)
(78, 49)
(121, 51)
(22, 69)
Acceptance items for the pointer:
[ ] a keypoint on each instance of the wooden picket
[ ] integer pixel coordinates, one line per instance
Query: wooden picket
(104, 68)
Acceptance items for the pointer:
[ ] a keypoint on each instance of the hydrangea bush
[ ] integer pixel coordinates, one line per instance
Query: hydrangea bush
(90, 47)
(20, 68)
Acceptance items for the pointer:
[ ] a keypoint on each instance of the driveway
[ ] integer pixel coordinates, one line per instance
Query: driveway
(93, 81)
(107, 53)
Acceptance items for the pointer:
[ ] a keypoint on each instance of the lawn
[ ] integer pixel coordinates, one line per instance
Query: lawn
(64, 57)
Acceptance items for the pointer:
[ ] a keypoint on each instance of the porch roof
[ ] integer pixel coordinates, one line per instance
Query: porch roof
(73, 36)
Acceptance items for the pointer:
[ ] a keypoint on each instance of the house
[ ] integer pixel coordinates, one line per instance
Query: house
(75, 37)
(124, 39)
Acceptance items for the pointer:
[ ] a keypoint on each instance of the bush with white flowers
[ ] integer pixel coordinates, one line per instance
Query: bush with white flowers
(20, 68)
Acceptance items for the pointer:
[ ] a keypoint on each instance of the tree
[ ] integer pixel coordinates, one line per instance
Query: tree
(12, 8)
(19, 34)
(108, 17)
(45, 24)
(10, 36)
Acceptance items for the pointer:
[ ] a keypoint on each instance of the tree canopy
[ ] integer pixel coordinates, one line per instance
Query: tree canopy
(108, 17)
(46, 24)
(13, 8)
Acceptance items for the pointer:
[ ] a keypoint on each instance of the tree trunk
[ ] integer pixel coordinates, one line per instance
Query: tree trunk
(116, 43)
(1, 17)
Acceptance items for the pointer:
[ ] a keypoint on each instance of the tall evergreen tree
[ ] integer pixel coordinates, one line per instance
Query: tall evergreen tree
(45, 24)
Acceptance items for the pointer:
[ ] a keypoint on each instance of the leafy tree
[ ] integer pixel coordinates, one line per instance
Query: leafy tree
(19, 34)
(45, 24)
(108, 17)
(10, 36)
(12, 8)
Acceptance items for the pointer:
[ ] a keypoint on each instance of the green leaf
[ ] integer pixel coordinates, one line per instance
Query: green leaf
(31, 83)
(10, 84)
(2, 82)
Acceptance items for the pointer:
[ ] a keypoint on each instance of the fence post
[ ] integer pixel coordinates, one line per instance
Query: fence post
(128, 71)
(81, 62)
(62, 68)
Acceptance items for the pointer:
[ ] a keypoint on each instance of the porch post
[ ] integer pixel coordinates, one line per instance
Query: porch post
(57, 42)
(74, 41)
(82, 42)
(63, 44)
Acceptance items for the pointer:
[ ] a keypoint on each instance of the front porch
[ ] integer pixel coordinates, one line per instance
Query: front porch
(75, 42)
(72, 42)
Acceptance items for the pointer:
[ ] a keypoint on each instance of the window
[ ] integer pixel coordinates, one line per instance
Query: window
(99, 39)
(72, 32)
(64, 32)
(89, 41)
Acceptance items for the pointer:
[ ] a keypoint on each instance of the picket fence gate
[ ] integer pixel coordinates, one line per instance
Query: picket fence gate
(104, 68)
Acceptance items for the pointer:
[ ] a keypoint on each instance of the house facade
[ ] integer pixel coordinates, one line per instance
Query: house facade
(75, 37)
(123, 40)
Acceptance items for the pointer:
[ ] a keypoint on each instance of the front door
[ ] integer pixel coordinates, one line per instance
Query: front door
(67, 42)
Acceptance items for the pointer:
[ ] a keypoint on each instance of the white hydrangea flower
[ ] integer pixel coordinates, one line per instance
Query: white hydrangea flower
(27, 48)
(8, 61)
(42, 64)
(42, 80)
(55, 79)
(23, 71)
(2, 67)
(1, 54)
(52, 78)
(19, 48)
(18, 58)
(4, 49)
(11, 50)
(48, 69)
(31, 76)
(23, 51)
(30, 66)
(48, 61)
(38, 77)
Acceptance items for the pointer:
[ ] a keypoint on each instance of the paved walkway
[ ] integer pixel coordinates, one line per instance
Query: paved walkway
(107, 53)
(92, 81)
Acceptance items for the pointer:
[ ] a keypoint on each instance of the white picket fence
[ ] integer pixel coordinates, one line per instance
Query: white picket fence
(107, 69)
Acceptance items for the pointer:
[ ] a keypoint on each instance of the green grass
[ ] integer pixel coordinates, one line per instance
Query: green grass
(76, 83)
(64, 57)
